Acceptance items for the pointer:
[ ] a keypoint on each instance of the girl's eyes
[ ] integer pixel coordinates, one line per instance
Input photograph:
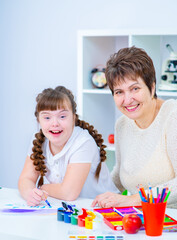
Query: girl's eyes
(62, 117)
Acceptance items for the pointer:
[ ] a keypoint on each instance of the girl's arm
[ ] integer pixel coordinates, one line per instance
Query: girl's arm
(80, 159)
(27, 184)
(73, 182)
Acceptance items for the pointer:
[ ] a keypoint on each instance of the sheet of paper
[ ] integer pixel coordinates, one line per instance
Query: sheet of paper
(11, 199)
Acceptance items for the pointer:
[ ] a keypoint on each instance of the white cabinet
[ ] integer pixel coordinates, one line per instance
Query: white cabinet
(94, 48)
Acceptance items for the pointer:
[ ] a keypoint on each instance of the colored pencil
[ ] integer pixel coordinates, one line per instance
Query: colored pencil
(143, 192)
(115, 210)
(137, 210)
(48, 203)
(157, 191)
(164, 196)
(163, 192)
(167, 196)
(158, 198)
(151, 194)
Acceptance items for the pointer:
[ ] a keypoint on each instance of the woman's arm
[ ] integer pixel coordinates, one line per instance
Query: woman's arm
(109, 199)
(27, 184)
(73, 182)
(171, 148)
(115, 174)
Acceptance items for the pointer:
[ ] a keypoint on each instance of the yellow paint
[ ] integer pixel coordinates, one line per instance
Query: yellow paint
(117, 223)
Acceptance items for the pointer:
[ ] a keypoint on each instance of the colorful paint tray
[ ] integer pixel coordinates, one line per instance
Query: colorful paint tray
(113, 216)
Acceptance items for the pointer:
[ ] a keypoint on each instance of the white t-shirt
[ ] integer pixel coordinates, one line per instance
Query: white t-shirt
(148, 155)
(80, 148)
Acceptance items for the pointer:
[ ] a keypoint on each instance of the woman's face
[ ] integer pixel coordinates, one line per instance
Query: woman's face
(57, 126)
(133, 98)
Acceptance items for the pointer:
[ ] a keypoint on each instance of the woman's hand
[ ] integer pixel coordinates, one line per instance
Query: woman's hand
(109, 199)
(35, 196)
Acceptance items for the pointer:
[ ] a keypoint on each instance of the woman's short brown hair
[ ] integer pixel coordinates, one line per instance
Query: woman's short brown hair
(132, 63)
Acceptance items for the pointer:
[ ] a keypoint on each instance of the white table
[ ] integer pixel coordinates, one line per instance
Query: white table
(24, 226)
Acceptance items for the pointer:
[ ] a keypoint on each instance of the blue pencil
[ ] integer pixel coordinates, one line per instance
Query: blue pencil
(48, 203)
(115, 210)
(46, 199)
(163, 192)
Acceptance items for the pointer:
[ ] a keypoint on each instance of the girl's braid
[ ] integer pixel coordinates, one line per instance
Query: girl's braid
(93, 132)
(98, 139)
(37, 156)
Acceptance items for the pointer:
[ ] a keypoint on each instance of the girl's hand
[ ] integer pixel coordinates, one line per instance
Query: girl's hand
(36, 196)
(109, 199)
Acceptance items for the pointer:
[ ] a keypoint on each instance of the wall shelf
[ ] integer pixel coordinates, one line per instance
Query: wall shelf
(97, 91)
(168, 94)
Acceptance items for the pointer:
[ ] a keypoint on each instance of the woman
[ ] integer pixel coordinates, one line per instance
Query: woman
(146, 134)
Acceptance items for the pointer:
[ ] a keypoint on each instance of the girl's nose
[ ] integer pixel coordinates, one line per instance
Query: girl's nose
(55, 122)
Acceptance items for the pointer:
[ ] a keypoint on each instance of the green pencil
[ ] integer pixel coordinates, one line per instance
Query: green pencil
(157, 191)
(167, 196)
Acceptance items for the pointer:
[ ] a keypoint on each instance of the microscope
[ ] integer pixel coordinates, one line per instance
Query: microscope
(169, 72)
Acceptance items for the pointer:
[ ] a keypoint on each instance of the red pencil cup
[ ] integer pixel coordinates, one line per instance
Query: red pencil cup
(154, 215)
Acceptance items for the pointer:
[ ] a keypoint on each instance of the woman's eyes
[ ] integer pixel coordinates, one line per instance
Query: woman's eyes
(118, 92)
(135, 88)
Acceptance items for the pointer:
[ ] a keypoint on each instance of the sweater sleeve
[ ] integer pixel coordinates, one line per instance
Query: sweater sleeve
(116, 170)
(171, 147)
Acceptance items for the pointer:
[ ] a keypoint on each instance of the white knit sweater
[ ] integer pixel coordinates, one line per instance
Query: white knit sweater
(148, 155)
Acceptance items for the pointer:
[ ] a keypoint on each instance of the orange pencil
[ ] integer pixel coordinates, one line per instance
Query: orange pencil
(151, 198)
(143, 192)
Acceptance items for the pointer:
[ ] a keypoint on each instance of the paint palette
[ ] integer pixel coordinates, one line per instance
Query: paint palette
(98, 237)
(113, 217)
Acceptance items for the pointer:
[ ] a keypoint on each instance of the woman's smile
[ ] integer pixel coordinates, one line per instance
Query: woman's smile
(132, 108)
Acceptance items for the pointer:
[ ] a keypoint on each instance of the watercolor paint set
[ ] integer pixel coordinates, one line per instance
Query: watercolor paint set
(113, 217)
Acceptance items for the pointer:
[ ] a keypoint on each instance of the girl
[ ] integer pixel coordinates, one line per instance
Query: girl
(67, 151)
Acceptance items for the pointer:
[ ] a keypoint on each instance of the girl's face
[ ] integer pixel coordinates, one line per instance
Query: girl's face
(57, 126)
(133, 98)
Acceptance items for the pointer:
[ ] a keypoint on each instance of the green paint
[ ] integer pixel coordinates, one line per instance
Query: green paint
(125, 192)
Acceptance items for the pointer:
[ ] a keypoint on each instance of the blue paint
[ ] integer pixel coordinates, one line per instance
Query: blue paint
(18, 210)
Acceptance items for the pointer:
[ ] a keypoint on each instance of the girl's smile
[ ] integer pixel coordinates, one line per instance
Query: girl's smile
(55, 132)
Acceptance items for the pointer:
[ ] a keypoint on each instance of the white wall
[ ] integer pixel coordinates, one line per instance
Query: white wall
(38, 40)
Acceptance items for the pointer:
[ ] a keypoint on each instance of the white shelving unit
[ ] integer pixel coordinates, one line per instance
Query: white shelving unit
(94, 48)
